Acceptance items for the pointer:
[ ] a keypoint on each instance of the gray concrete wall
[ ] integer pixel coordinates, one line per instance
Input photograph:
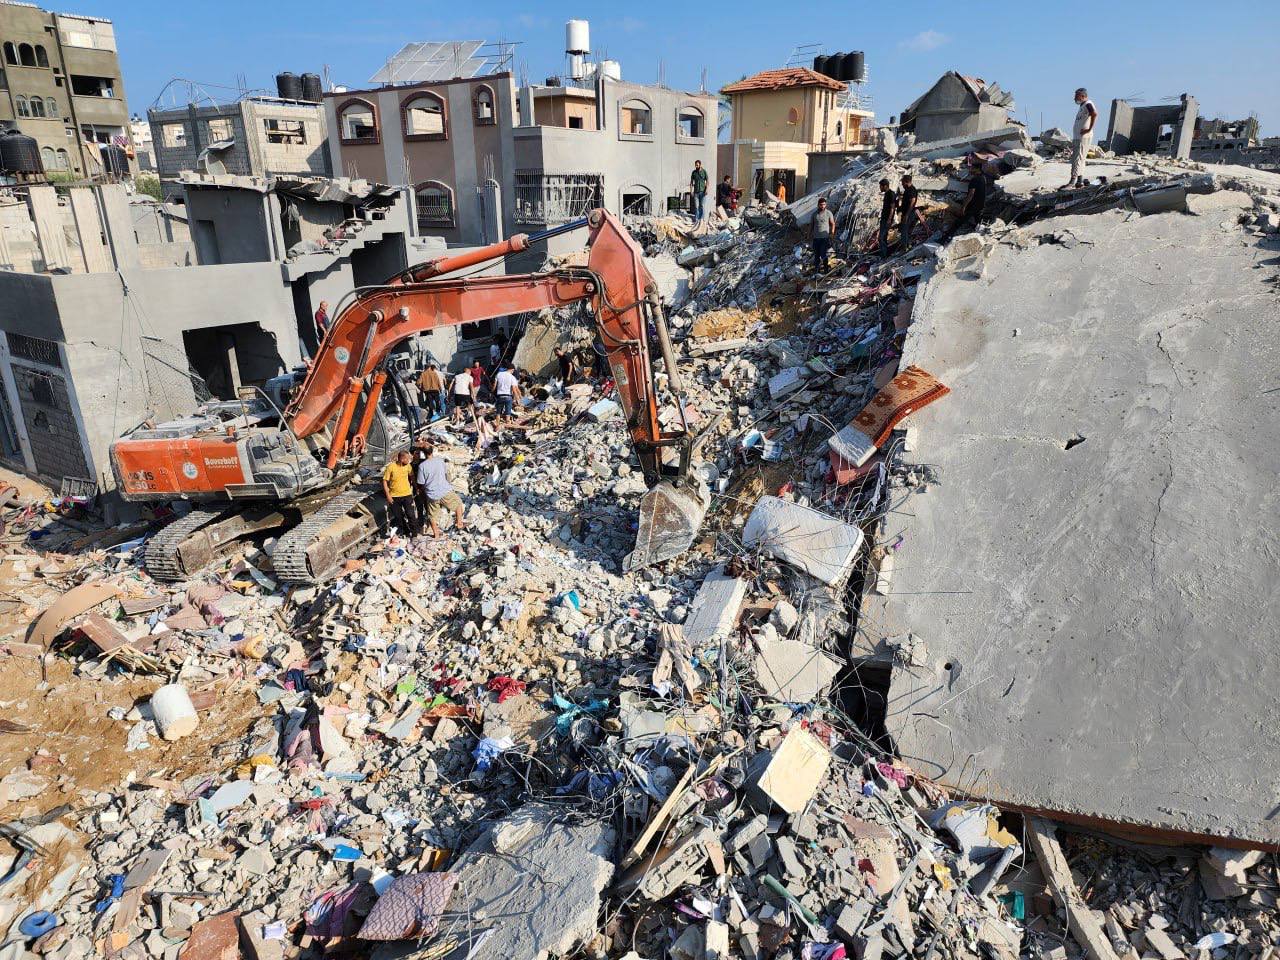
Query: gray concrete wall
(238, 219)
(949, 109)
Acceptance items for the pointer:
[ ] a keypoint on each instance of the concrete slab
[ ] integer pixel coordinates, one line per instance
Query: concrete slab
(794, 672)
(820, 545)
(1093, 573)
(715, 608)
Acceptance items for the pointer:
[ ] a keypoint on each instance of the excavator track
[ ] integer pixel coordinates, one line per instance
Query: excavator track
(162, 557)
(296, 553)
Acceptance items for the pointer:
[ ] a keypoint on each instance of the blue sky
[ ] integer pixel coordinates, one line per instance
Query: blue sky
(1224, 53)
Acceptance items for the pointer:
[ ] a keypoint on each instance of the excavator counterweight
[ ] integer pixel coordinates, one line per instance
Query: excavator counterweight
(289, 462)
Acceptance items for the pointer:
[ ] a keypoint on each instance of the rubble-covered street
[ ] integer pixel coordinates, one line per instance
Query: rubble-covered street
(501, 743)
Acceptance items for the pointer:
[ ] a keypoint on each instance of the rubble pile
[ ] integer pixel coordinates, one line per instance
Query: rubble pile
(501, 743)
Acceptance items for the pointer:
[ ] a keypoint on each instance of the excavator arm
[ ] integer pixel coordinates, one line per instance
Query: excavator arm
(615, 281)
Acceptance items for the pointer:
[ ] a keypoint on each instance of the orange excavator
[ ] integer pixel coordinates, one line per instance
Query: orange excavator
(289, 462)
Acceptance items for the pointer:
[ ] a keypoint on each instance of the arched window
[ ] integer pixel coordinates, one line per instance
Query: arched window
(435, 205)
(484, 111)
(10, 53)
(37, 107)
(47, 158)
(635, 119)
(690, 123)
(358, 121)
(42, 58)
(424, 117)
(637, 200)
(50, 107)
(64, 159)
(21, 104)
(793, 116)
(26, 55)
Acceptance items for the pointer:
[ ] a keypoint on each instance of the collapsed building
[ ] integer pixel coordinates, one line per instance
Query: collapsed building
(955, 106)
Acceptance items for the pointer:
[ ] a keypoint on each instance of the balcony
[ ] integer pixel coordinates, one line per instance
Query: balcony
(104, 110)
(90, 62)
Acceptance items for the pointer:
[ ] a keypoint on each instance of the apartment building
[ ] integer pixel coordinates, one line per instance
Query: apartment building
(60, 83)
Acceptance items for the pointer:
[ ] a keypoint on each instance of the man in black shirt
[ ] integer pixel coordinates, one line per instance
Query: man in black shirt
(889, 198)
(975, 201)
(907, 209)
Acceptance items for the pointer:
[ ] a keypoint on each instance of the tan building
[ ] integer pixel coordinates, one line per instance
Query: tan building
(779, 117)
(60, 83)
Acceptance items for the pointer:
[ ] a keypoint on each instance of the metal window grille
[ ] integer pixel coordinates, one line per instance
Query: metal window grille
(435, 207)
(34, 349)
(557, 198)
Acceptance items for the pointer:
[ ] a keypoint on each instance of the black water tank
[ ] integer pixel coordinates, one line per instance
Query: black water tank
(821, 63)
(114, 160)
(288, 86)
(844, 69)
(859, 67)
(311, 89)
(19, 153)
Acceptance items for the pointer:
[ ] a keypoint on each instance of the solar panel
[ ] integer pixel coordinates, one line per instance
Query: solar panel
(424, 62)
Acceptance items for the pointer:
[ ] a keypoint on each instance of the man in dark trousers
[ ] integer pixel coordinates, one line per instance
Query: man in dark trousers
(725, 194)
(907, 210)
(823, 228)
(322, 321)
(888, 204)
(698, 187)
(975, 201)
(397, 485)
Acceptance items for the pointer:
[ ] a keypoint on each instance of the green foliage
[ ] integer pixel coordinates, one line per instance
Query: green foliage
(149, 184)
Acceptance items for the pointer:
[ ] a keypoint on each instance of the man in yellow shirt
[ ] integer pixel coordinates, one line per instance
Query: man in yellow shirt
(398, 487)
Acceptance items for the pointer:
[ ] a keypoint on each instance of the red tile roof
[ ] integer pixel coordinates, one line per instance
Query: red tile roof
(781, 79)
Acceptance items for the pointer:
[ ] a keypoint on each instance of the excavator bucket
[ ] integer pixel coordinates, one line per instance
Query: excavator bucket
(669, 520)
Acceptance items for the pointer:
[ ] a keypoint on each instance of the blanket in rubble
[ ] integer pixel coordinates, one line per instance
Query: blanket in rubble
(906, 393)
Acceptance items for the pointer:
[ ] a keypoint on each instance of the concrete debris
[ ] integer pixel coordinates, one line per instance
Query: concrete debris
(687, 760)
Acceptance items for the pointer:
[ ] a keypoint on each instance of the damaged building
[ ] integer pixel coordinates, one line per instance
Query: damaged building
(956, 106)
(1166, 129)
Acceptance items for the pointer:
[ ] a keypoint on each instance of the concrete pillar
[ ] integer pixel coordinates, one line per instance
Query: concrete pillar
(84, 209)
(114, 203)
(228, 343)
(1185, 129)
(42, 202)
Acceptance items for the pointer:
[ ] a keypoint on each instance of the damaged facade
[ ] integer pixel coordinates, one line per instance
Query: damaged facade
(956, 106)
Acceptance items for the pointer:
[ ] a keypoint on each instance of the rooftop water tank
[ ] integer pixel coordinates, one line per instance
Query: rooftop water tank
(577, 37)
(288, 86)
(611, 69)
(19, 153)
(311, 88)
(858, 67)
(821, 63)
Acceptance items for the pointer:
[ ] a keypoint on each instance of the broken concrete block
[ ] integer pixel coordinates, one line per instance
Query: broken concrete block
(791, 774)
(1161, 943)
(605, 409)
(850, 920)
(692, 256)
(715, 941)
(816, 543)
(786, 382)
(794, 672)
(1222, 872)
(252, 942)
(214, 939)
(784, 616)
(670, 867)
(715, 608)
(541, 894)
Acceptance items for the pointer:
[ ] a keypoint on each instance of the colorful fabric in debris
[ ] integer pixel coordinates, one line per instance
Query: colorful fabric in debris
(327, 915)
(505, 687)
(411, 908)
(906, 393)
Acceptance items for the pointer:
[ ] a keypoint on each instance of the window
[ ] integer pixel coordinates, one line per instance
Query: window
(50, 107)
(636, 119)
(26, 55)
(575, 123)
(637, 200)
(690, 123)
(556, 198)
(85, 86)
(424, 117)
(20, 103)
(358, 122)
(435, 204)
(37, 107)
(220, 128)
(42, 58)
(285, 131)
(10, 53)
(174, 134)
(64, 159)
(484, 105)
(47, 158)
(35, 349)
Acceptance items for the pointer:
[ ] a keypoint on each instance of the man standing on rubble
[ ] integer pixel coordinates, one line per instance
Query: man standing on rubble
(907, 209)
(565, 367)
(506, 389)
(1081, 135)
(434, 483)
(975, 201)
(398, 488)
(698, 187)
(725, 196)
(889, 200)
(823, 228)
(463, 395)
(432, 387)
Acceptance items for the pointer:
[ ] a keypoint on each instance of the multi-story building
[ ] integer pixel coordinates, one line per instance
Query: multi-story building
(450, 140)
(60, 83)
(781, 116)
(254, 136)
(140, 131)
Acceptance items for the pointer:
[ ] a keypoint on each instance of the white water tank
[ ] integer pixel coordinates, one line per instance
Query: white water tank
(611, 69)
(577, 37)
(577, 66)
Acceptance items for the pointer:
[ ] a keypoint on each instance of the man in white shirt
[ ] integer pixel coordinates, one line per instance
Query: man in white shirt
(1081, 135)
(462, 397)
(507, 389)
